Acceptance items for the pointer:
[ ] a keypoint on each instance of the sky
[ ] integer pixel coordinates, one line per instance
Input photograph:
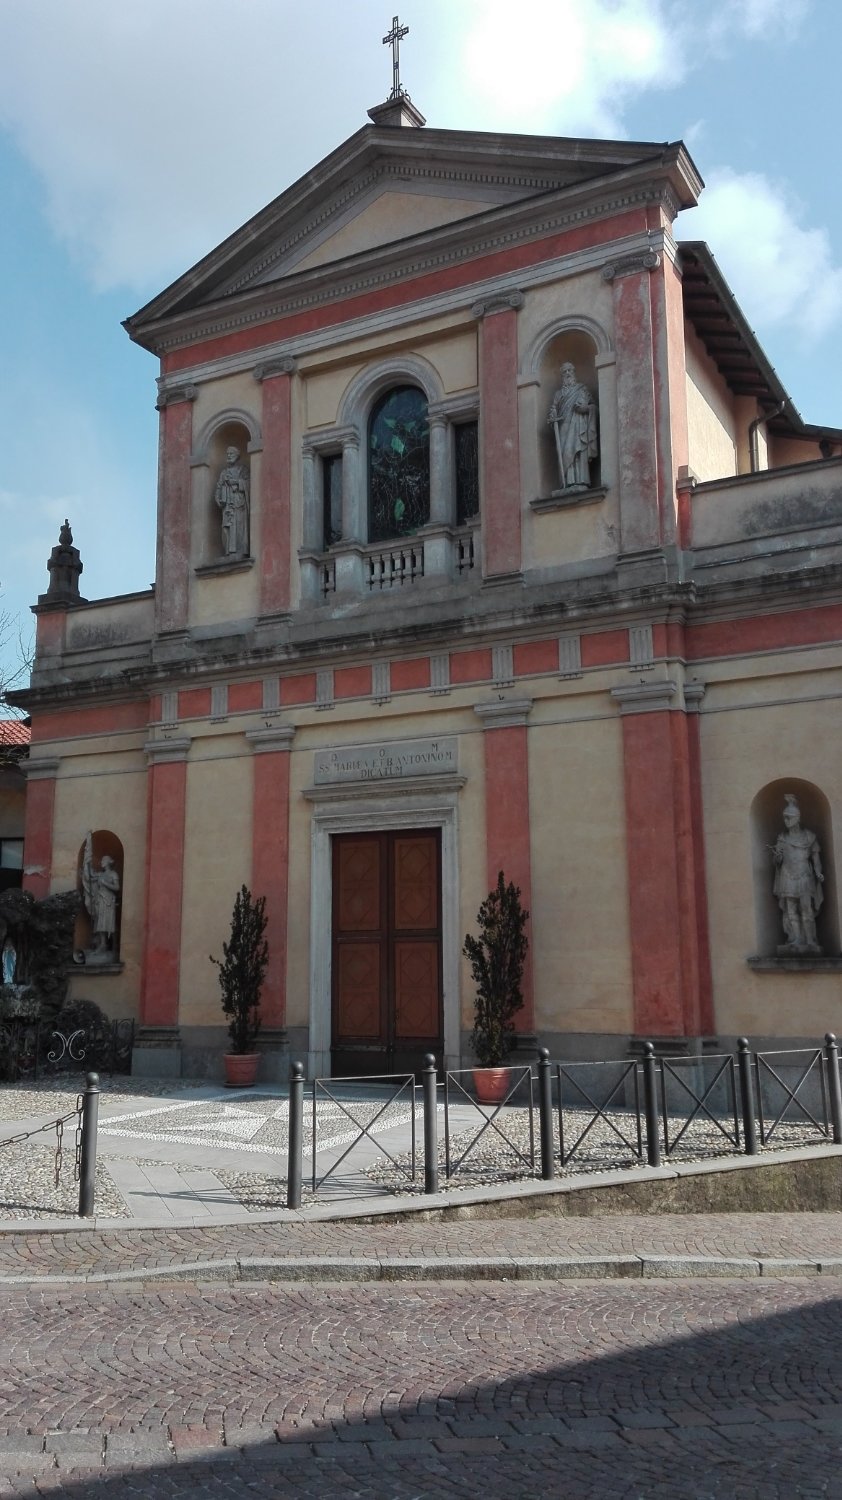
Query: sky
(134, 136)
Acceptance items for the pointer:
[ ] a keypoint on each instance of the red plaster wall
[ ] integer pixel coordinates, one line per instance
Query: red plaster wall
(38, 836)
(605, 648)
(470, 666)
(800, 627)
(639, 511)
(507, 832)
(352, 682)
(409, 289)
(659, 640)
(406, 675)
(270, 872)
(275, 496)
(298, 689)
(662, 874)
(499, 443)
(167, 787)
(67, 723)
(243, 696)
(50, 630)
(194, 703)
(670, 387)
(172, 581)
(535, 656)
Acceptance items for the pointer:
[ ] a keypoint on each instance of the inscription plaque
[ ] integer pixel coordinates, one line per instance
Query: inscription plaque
(398, 761)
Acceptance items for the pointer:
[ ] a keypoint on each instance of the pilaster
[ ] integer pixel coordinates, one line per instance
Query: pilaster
(499, 437)
(507, 811)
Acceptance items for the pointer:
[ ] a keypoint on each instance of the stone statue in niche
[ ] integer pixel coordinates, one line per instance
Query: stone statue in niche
(573, 420)
(100, 892)
(798, 881)
(232, 497)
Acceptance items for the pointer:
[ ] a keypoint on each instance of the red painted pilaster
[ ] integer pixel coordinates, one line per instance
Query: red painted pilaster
(507, 837)
(270, 858)
(640, 527)
(38, 826)
(166, 803)
(499, 443)
(276, 470)
(667, 899)
(174, 488)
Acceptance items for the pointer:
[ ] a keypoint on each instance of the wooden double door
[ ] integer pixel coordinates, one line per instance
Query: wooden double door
(386, 960)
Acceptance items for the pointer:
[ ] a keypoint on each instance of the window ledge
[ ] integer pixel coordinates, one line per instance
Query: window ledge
(568, 499)
(796, 963)
(235, 565)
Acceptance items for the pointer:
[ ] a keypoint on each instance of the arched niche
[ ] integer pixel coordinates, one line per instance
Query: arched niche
(230, 430)
(369, 384)
(99, 878)
(766, 823)
(579, 347)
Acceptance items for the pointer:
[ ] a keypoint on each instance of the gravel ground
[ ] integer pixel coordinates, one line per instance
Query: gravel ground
(19, 1101)
(28, 1188)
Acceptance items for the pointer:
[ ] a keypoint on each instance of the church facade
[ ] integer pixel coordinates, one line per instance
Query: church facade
(488, 539)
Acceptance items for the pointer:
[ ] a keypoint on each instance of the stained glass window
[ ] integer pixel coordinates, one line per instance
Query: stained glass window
(466, 451)
(398, 464)
(332, 498)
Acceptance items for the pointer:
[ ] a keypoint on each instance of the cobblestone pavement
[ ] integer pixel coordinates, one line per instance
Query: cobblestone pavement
(726, 1390)
(807, 1237)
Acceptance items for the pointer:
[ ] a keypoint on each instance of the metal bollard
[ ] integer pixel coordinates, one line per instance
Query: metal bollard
(650, 1105)
(87, 1152)
(747, 1096)
(431, 1132)
(831, 1053)
(295, 1144)
(545, 1111)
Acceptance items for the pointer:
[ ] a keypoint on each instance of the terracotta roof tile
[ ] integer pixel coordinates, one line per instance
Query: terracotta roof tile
(14, 732)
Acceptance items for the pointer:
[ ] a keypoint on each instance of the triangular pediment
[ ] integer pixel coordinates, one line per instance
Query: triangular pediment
(392, 187)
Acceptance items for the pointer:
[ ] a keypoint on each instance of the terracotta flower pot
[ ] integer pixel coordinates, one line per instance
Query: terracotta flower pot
(240, 1069)
(491, 1085)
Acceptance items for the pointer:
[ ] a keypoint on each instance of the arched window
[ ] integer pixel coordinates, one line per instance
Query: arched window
(398, 464)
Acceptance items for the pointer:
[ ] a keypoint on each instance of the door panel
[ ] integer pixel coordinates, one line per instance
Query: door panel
(387, 1006)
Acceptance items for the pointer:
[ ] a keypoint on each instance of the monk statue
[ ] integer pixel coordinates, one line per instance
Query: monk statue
(232, 497)
(573, 420)
(798, 881)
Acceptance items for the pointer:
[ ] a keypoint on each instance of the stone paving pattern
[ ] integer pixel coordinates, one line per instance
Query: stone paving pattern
(721, 1390)
(815, 1237)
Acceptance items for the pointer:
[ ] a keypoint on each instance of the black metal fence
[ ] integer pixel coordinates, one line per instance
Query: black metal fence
(32, 1050)
(85, 1119)
(591, 1116)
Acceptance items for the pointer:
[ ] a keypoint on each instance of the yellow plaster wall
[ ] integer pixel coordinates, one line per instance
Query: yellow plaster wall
(580, 923)
(744, 748)
(106, 791)
(452, 353)
(217, 862)
(393, 215)
(711, 423)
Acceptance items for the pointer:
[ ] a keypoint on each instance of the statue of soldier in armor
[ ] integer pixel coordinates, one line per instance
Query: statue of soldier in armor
(798, 881)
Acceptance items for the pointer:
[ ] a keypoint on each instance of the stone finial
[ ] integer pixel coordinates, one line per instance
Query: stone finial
(64, 566)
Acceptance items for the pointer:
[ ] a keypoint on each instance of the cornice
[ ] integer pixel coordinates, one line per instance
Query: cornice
(506, 713)
(383, 266)
(45, 768)
(273, 737)
(645, 697)
(171, 394)
(164, 752)
(284, 365)
(629, 265)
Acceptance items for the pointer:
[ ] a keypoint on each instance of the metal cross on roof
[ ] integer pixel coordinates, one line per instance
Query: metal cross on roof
(394, 37)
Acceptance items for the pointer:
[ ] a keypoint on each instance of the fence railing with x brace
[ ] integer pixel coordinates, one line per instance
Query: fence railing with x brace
(641, 1109)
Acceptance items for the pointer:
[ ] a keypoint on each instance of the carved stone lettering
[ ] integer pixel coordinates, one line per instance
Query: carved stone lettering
(398, 761)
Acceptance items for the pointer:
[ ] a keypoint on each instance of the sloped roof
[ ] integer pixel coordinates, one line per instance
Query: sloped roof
(732, 344)
(499, 179)
(14, 732)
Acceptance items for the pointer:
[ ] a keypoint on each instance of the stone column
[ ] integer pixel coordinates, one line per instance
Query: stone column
(348, 552)
(500, 497)
(270, 878)
(275, 501)
(172, 575)
(438, 544)
(665, 880)
(157, 1049)
(38, 827)
(507, 830)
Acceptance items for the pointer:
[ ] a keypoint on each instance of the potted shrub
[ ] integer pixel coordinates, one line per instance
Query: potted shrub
(497, 958)
(241, 973)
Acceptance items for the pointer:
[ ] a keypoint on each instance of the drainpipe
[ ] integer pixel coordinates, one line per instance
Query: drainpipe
(766, 416)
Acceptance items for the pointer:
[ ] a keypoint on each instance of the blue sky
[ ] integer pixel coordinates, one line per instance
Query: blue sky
(135, 136)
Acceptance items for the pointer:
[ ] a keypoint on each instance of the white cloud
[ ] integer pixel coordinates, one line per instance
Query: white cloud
(780, 271)
(159, 127)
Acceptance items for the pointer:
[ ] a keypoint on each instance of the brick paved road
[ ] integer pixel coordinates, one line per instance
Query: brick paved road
(726, 1390)
(816, 1236)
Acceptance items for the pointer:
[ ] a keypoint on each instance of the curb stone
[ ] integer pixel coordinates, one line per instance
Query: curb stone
(364, 1269)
